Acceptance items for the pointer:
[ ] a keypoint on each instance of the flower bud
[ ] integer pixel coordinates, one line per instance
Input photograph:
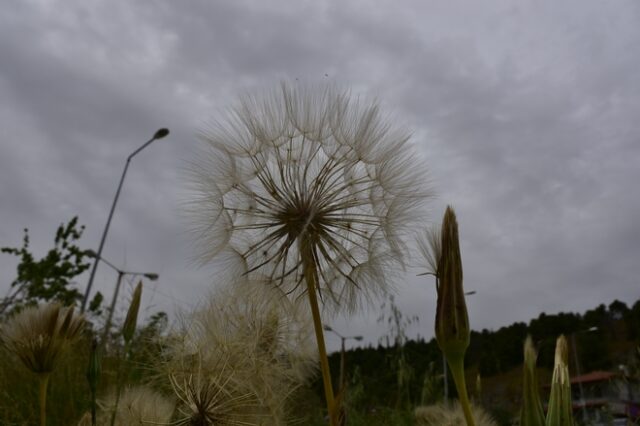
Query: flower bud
(129, 326)
(532, 413)
(560, 406)
(452, 321)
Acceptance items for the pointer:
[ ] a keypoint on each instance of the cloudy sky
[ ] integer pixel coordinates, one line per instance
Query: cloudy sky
(527, 113)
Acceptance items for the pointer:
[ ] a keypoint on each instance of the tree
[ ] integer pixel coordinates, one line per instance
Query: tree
(49, 278)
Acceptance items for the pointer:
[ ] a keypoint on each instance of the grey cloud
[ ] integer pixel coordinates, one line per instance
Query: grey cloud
(526, 113)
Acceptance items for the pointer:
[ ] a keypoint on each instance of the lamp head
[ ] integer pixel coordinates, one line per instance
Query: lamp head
(358, 338)
(151, 276)
(161, 133)
(327, 328)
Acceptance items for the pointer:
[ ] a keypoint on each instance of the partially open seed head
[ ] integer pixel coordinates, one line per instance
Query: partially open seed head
(254, 342)
(39, 335)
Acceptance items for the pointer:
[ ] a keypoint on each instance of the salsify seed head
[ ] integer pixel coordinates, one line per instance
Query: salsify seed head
(308, 176)
(245, 351)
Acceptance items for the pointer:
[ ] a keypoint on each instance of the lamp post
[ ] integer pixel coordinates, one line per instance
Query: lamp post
(575, 358)
(159, 134)
(149, 275)
(342, 351)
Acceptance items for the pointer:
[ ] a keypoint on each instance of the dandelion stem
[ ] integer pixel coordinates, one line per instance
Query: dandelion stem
(311, 277)
(456, 364)
(44, 382)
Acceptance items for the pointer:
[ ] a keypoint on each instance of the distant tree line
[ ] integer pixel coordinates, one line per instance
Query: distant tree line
(606, 336)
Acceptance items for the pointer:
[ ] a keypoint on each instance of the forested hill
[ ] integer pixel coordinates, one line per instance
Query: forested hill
(605, 336)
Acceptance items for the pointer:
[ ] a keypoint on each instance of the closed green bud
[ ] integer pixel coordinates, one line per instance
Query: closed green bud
(560, 411)
(532, 413)
(129, 327)
(452, 321)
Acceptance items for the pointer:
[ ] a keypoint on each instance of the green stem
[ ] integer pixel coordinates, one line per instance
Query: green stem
(456, 365)
(93, 409)
(44, 382)
(121, 360)
(311, 277)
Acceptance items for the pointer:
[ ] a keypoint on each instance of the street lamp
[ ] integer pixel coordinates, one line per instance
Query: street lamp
(575, 358)
(342, 351)
(151, 276)
(159, 134)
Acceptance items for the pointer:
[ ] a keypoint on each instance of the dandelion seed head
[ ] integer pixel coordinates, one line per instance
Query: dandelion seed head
(252, 345)
(211, 399)
(305, 173)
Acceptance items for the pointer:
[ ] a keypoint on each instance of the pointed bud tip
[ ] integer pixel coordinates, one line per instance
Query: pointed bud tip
(129, 327)
(562, 351)
(452, 321)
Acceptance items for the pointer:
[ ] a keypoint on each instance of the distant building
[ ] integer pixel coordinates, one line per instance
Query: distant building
(605, 398)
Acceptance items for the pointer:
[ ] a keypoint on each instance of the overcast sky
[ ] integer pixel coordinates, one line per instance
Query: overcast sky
(528, 115)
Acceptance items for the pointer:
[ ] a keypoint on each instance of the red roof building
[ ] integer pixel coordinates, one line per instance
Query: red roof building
(603, 397)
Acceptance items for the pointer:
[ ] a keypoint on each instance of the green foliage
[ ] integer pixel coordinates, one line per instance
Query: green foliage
(432, 386)
(496, 355)
(381, 416)
(79, 372)
(49, 278)
(67, 393)
(404, 371)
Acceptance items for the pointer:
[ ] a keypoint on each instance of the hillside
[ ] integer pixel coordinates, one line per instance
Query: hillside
(605, 337)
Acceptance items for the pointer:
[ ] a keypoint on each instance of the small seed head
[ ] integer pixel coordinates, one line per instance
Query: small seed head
(39, 335)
